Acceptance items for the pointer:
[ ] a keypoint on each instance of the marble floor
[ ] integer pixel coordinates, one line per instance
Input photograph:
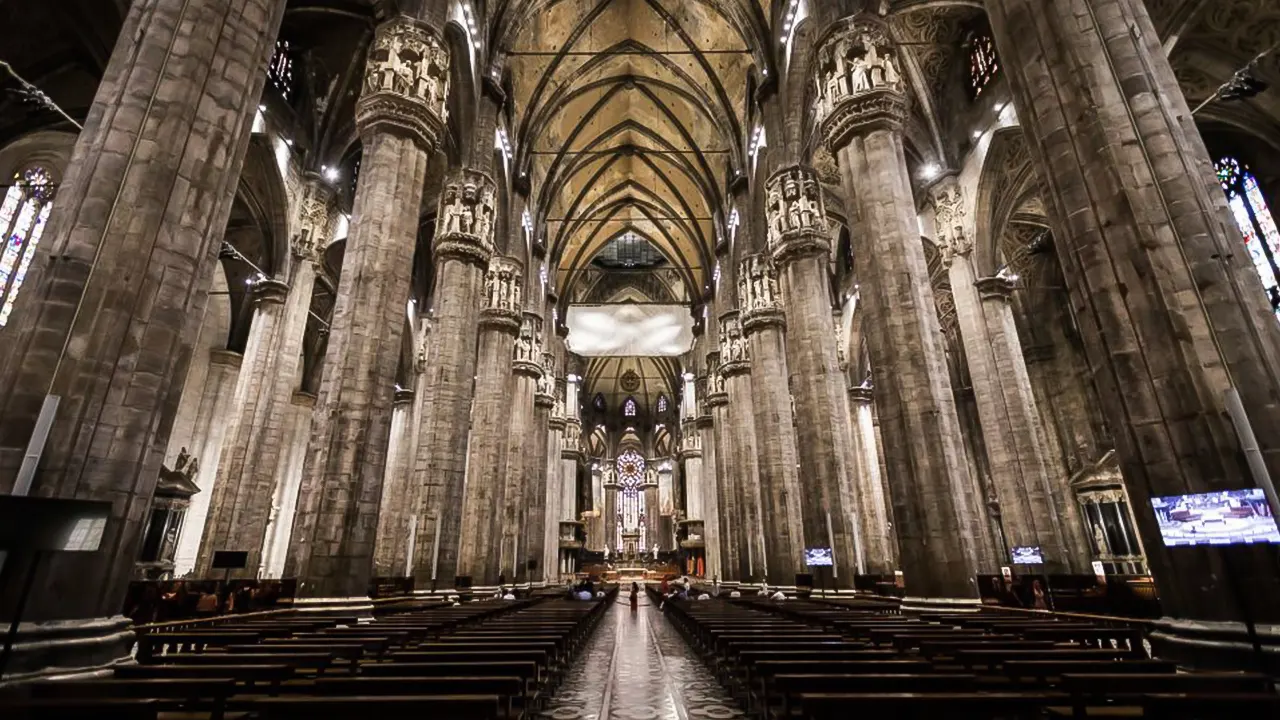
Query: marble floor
(637, 667)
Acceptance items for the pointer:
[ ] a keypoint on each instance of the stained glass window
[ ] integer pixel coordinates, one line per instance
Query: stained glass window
(23, 215)
(629, 407)
(1257, 224)
(599, 402)
(983, 63)
(280, 70)
(662, 403)
(631, 510)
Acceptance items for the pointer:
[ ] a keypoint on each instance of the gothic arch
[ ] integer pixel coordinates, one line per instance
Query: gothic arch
(1004, 184)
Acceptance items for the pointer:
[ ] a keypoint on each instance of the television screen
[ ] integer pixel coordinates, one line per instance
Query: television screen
(1027, 555)
(1226, 517)
(818, 557)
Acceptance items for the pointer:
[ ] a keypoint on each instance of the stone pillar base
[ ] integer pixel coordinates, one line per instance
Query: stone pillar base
(913, 605)
(361, 607)
(1216, 645)
(68, 648)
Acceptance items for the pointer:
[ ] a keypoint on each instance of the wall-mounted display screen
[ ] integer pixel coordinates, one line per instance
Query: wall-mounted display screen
(818, 557)
(1027, 555)
(1226, 517)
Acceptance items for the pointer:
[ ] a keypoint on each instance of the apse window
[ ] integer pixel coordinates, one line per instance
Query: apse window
(629, 407)
(1257, 224)
(23, 215)
(662, 403)
(983, 63)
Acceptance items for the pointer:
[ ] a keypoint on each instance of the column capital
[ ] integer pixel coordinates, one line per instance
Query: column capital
(795, 213)
(735, 354)
(502, 288)
(316, 209)
(572, 440)
(950, 219)
(690, 442)
(526, 353)
(403, 396)
(465, 222)
(406, 83)
(269, 291)
(227, 358)
(759, 300)
(842, 338)
(860, 88)
(997, 287)
(706, 422)
(547, 395)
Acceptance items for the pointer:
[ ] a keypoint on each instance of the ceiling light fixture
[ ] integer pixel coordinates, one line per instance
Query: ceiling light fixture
(793, 8)
(930, 171)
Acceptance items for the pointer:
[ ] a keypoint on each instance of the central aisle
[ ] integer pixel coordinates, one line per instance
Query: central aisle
(637, 667)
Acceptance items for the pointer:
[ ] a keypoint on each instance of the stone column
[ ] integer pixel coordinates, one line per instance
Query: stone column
(284, 505)
(724, 488)
(212, 419)
(764, 327)
(934, 515)
(537, 491)
(1173, 316)
(393, 511)
(713, 540)
(1017, 456)
(109, 326)
(556, 510)
(572, 458)
(798, 241)
(463, 250)
(483, 530)
(400, 120)
(880, 547)
(521, 510)
(254, 448)
(744, 490)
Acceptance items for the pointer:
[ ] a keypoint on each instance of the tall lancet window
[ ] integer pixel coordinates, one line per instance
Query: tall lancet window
(23, 215)
(1256, 223)
(983, 63)
(631, 509)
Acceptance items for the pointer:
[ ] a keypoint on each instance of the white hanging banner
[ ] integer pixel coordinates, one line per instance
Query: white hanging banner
(629, 330)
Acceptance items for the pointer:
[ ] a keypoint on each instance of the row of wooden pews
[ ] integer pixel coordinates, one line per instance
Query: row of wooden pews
(486, 660)
(823, 660)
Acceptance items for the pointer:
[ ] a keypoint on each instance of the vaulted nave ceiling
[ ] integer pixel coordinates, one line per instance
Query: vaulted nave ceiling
(629, 118)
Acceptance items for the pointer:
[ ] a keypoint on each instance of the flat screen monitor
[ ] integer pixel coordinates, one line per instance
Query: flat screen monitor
(1027, 555)
(1225, 517)
(818, 557)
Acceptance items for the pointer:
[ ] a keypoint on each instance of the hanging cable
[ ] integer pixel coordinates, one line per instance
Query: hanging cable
(35, 95)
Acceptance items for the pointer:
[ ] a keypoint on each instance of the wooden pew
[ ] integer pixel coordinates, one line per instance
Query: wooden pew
(362, 707)
(206, 695)
(270, 676)
(82, 709)
(510, 690)
(929, 706)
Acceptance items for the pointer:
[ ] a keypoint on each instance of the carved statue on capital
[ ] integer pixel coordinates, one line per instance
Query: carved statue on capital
(759, 300)
(572, 434)
(465, 222)
(527, 350)
(794, 208)
(502, 282)
(842, 339)
(858, 77)
(734, 352)
(949, 218)
(420, 351)
(406, 84)
(856, 60)
(315, 220)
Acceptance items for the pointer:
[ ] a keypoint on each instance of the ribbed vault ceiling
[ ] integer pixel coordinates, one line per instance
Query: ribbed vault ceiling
(629, 118)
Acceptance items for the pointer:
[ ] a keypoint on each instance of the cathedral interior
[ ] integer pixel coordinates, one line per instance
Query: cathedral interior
(926, 307)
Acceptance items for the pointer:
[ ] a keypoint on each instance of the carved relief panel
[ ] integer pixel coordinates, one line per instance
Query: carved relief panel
(528, 346)
(733, 345)
(949, 219)
(315, 210)
(468, 208)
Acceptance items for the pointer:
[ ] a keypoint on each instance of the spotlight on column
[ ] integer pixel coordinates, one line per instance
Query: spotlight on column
(331, 174)
(930, 171)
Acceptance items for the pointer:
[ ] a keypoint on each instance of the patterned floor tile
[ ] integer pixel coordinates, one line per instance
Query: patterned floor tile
(637, 667)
